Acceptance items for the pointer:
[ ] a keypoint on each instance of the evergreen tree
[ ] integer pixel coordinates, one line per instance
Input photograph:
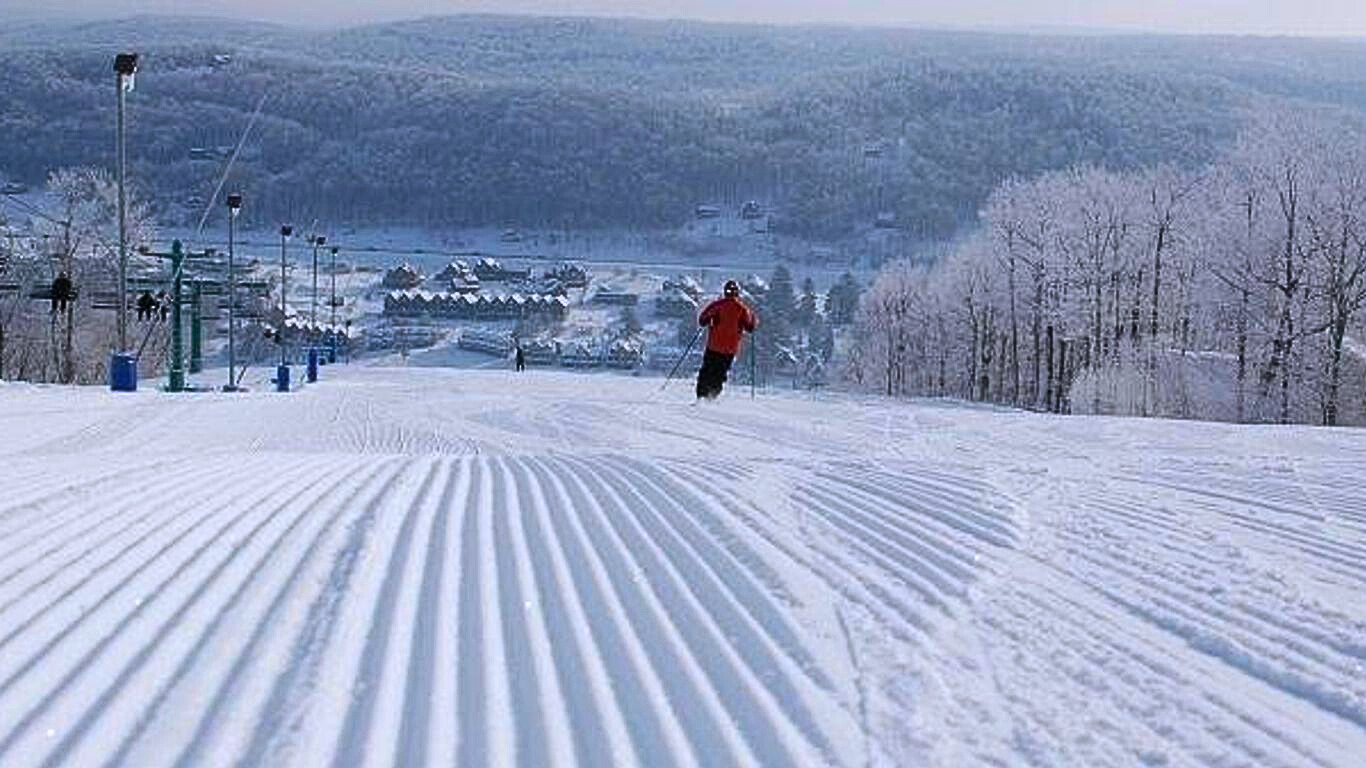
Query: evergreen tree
(629, 322)
(843, 299)
(781, 301)
(807, 305)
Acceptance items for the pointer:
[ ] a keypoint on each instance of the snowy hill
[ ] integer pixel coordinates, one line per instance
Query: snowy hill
(428, 567)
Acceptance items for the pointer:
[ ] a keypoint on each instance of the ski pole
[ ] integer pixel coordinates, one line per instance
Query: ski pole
(146, 338)
(753, 370)
(681, 358)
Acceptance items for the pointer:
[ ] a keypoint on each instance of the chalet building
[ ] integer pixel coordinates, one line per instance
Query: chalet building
(675, 303)
(488, 341)
(491, 270)
(579, 354)
(455, 271)
(624, 353)
(663, 358)
(685, 283)
(615, 299)
(402, 278)
(569, 275)
(465, 306)
(540, 352)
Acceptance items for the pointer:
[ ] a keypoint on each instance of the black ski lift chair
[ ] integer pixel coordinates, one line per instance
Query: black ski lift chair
(62, 292)
(255, 287)
(104, 300)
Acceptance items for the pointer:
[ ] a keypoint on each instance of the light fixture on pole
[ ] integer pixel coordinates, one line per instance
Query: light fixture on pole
(234, 208)
(123, 365)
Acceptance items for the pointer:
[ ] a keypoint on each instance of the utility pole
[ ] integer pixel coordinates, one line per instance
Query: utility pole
(317, 243)
(282, 371)
(332, 333)
(176, 376)
(312, 371)
(234, 207)
(123, 367)
(285, 232)
(125, 67)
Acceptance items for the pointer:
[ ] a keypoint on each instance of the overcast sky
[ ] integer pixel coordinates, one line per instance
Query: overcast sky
(1280, 17)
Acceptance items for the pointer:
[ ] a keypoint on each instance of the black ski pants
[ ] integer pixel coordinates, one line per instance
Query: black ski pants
(712, 376)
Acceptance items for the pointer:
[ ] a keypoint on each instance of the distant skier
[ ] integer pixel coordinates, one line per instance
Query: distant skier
(727, 319)
(520, 360)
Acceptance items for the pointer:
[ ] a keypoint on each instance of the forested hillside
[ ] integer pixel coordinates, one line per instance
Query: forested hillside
(555, 122)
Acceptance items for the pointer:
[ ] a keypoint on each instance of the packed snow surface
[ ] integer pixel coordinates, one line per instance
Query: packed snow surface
(407, 567)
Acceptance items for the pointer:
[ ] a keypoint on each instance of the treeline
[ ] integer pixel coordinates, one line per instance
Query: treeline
(1233, 292)
(583, 123)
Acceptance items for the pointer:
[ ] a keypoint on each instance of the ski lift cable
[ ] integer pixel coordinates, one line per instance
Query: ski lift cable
(33, 210)
(231, 161)
(75, 245)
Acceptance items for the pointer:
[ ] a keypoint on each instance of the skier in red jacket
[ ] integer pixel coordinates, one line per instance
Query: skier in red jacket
(726, 320)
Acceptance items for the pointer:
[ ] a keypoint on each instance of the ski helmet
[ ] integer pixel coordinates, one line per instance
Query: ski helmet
(732, 288)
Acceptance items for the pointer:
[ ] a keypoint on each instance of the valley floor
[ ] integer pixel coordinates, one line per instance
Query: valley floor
(436, 567)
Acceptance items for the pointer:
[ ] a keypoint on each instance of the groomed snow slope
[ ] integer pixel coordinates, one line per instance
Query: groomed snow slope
(427, 567)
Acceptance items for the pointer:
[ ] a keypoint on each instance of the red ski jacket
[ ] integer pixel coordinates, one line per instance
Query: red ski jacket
(727, 318)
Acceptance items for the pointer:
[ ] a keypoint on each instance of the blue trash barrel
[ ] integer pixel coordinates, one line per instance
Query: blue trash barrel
(123, 372)
(312, 364)
(282, 378)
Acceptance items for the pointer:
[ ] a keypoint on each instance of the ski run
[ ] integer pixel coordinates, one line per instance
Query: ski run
(421, 567)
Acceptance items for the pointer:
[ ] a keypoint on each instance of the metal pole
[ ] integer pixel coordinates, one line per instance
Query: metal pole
(313, 314)
(196, 328)
(681, 358)
(284, 290)
(232, 310)
(123, 224)
(176, 378)
(753, 369)
(234, 207)
(332, 333)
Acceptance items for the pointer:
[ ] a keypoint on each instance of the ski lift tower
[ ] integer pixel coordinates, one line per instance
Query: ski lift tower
(123, 372)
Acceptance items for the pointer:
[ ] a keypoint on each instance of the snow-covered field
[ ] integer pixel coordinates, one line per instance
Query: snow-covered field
(431, 567)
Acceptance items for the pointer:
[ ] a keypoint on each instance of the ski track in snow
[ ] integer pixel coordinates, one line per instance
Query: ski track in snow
(401, 567)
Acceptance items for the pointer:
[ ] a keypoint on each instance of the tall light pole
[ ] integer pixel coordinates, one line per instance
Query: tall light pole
(125, 67)
(123, 366)
(317, 243)
(234, 207)
(285, 232)
(332, 347)
(311, 373)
